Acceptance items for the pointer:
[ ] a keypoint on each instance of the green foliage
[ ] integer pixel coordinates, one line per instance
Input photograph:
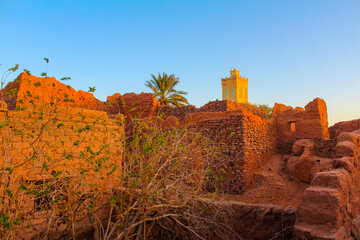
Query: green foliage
(268, 110)
(92, 89)
(5, 76)
(164, 90)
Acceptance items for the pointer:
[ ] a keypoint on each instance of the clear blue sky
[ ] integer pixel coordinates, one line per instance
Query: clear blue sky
(292, 51)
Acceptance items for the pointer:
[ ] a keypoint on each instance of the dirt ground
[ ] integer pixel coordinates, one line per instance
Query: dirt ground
(272, 184)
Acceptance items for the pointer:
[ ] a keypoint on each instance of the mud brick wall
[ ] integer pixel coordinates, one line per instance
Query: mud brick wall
(347, 126)
(132, 106)
(244, 140)
(299, 123)
(51, 131)
(26, 88)
(41, 140)
(330, 207)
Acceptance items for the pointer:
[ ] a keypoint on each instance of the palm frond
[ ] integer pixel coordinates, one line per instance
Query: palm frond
(163, 87)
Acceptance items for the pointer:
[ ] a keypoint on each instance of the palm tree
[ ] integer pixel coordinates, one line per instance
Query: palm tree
(163, 88)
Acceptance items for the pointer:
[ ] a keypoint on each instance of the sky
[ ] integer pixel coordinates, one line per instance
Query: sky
(292, 51)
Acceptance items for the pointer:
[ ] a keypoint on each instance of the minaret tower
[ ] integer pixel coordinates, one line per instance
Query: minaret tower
(235, 88)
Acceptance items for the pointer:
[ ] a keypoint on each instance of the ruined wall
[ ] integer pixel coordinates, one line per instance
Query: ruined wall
(28, 88)
(42, 142)
(132, 106)
(244, 141)
(178, 112)
(259, 221)
(323, 147)
(58, 128)
(330, 207)
(213, 106)
(226, 105)
(259, 139)
(346, 126)
(298, 123)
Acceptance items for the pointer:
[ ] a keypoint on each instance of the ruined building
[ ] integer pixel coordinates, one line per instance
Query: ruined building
(300, 177)
(235, 88)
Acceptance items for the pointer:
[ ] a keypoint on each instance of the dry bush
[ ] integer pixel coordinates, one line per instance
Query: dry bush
(156, 193)
(161, 192)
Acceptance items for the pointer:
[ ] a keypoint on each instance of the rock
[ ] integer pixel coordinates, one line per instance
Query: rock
(300, 167)
(307, 166)
(303, 145)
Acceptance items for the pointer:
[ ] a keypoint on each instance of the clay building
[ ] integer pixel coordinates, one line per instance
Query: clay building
(299, 123)
(285, 177)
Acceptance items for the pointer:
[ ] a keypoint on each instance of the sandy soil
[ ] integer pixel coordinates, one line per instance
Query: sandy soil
(272, 185)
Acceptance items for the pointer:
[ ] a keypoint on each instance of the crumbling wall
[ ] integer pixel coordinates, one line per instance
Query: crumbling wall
(346, 126)
(330, 208)
(28, 88)
(244, 141)
(259, 139)
(298, 123)
(178, 112)
(258, 221)
(226, 105)
(58, 128)
(42, 140)
(133, 106)
(323, 147)
(213, 106)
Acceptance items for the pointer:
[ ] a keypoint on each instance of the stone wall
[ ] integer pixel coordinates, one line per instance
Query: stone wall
(178, 112)
(259, 139)
(298, 123)
(259, 221)
(213, 106)
(226, 105)
(323, 147)
(244, 141)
